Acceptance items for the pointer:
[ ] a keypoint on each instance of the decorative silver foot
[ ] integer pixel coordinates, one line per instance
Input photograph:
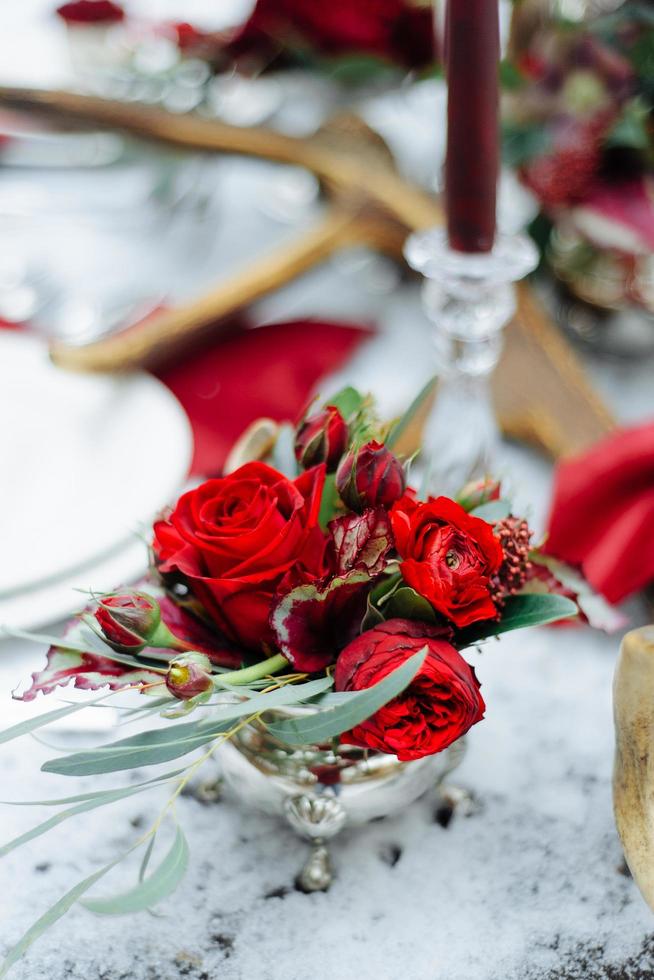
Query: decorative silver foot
(209, 791)
(316, 818)
(316, 875)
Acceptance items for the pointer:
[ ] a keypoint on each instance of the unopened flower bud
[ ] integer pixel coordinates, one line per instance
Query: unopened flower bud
(321, 438)
(479, 492)
(128, 621)
(189, 676)
(370, 477)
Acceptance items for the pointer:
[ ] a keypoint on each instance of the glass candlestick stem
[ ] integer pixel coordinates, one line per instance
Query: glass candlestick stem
(469, 297)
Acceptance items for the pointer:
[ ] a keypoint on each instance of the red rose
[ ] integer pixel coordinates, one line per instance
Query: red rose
(440, 704)
(91, 12)
(449, 557)
(397, 30)
(370, 476)
(235, 539)
(321, 438)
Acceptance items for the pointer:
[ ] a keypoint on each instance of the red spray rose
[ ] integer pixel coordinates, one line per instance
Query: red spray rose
(91, 12)
(440, 704)
(370, 477)
(235, 539)
(321, 438)
(449, 557)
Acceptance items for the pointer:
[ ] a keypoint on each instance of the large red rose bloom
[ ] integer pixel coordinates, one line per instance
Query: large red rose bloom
(438, 707)
(449, 557)
(235, 539)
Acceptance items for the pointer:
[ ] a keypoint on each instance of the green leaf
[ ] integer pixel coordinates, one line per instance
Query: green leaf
(385, 585)
(492, 511)
(372, 616)
(53, 914)
(511, 78)
(522, 142)
(521, 611)
(161, 883)
(405, 603)
(109, 796)
(328, 502)
(348, 401)
(31, 724)
(147, 855)
(119, 756)
(87, 641)
(399, 428)
(631, 128)
(98, 794)
(163, 744)
(361, 705)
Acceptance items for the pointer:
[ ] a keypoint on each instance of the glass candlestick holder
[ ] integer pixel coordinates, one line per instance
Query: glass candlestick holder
(469, 298)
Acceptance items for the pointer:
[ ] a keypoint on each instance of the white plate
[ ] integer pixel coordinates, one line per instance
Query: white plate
(34, 609)
(85, 461)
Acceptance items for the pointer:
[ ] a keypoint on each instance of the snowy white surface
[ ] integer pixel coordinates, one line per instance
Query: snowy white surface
(528, 887)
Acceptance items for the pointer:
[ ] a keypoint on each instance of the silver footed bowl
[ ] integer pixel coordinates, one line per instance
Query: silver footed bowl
(319, 789)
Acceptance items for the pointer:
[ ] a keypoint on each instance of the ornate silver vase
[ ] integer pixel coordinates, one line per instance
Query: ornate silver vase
(319, 789)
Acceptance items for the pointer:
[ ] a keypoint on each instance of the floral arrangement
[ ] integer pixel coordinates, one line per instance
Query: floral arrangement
(319, 578)
(579, 128)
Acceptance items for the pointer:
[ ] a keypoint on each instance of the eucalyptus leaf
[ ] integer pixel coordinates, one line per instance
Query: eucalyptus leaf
(53, 915)
(161, 883)
(492, 511)
(97, 795)
(283, 696)
(398, 429)
(117, 759)
(31, 724)
(361, 705)
(110, 796)
(84, 640)
(520, 612)
(147, 855)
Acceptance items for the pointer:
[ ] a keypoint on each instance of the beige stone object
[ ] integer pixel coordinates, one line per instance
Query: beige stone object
(633, 774)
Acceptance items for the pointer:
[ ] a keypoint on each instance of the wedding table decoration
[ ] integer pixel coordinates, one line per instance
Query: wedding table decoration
(307, 616)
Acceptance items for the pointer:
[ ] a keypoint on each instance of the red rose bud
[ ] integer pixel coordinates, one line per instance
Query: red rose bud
(321, 438)
(479, 492)
(131, 621)
(189, 676)
(370, 477)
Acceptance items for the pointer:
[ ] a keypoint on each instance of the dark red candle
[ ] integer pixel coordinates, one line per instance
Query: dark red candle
(472, 161)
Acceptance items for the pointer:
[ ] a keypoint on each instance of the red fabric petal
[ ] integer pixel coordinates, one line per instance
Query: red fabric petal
(251, 373)
(602, 515)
